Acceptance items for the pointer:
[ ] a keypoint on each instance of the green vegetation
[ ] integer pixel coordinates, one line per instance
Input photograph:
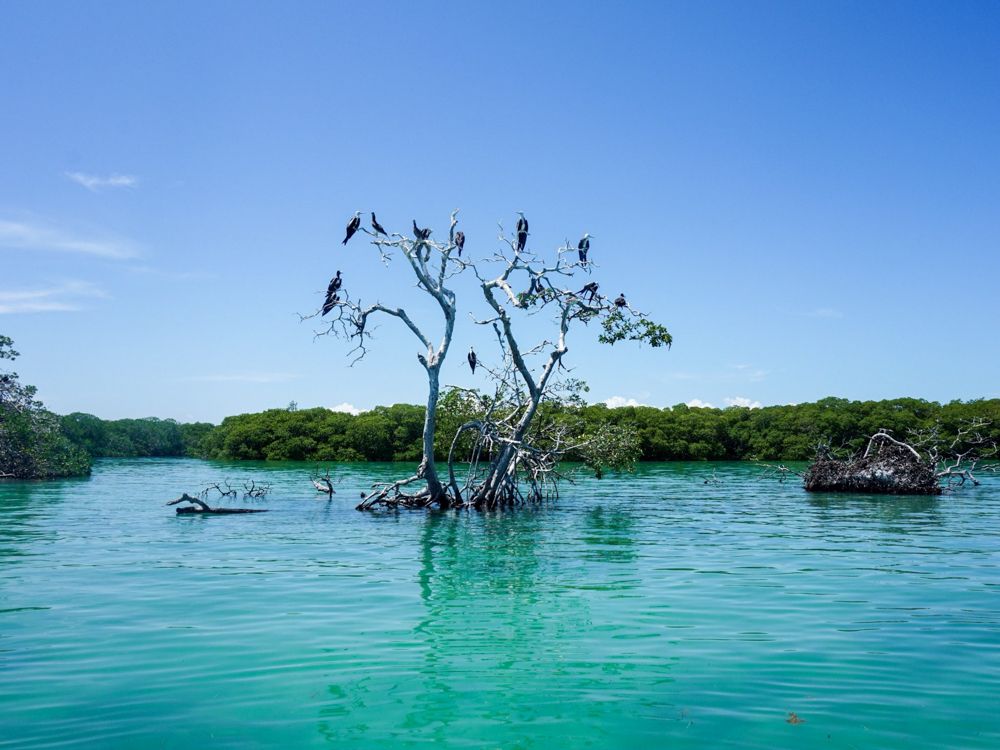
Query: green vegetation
(679, 433)
(125, 438)
(32, 445)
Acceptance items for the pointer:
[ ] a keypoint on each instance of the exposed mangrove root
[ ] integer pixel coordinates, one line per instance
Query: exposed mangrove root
(927, 464)
(197, 506)
(886, 467)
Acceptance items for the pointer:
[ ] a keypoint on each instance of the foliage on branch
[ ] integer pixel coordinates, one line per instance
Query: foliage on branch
(32, 445)
(618, 327)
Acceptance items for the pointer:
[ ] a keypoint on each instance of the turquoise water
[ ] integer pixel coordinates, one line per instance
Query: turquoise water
(651, 610)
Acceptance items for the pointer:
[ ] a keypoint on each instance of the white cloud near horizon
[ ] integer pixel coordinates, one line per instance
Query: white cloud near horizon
(346, 408)
(242, 377)
(49, 299)
(697, 403)
(15, 234)
(617, 402)
(742, 401)
(95, 183)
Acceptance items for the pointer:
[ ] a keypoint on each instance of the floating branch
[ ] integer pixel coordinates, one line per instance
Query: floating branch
(197, 506)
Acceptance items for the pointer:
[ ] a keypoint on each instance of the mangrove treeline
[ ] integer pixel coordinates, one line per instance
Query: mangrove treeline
(393, 433)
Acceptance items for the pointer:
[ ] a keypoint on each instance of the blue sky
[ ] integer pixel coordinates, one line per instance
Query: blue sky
(807, 194)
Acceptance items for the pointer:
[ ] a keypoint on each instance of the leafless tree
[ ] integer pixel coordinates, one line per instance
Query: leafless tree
(432, 264)
(504, 431)
(509, 448)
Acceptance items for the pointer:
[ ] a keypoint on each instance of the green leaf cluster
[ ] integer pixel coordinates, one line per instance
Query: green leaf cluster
(32, 444)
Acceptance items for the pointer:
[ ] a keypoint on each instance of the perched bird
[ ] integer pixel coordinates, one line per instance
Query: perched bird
(460, 242)
(331, 302)
(583, 247)
(378, 227)
(589, 291)
(352, 226)
(420, 234)
(522, 231)
(472, 360)
(332, 298)
(620, 300)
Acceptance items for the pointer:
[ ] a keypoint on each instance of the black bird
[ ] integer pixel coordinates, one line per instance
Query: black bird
(620, 300)
(331, 302)
(332, 298)
(378, 227)
(460, 242)
(522, 231)
(352, 226)
(472, 360)
(420, 234)
(589, 291)
(584, 247)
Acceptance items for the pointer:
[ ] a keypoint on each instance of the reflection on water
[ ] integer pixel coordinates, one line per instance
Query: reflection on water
(609, 532)
(648, 610)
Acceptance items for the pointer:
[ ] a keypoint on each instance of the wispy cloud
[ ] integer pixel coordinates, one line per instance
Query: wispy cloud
(740, 372)
(16, 234)
(825, 312)
(62, 297)
(346, 408)
(742, 401)
(173, 275)
(242, 377)
(697, 403)
(616, 402)
(96, 183)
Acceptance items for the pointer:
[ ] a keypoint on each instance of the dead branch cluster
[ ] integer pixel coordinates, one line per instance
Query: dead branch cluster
(927, 463)
(251, 490)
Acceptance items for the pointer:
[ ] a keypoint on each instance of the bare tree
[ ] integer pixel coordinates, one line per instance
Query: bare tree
(504, 431)
(432, 264)
(510, 448)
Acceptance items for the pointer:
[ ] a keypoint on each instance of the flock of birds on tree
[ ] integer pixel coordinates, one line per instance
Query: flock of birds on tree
(589, 291)
(424, 234)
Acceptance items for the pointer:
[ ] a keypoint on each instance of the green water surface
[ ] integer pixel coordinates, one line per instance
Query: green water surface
(643, 611)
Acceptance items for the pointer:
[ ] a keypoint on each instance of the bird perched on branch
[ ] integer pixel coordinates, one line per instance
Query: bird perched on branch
(472, 360)
(460, 242)
(332, 298)
(589, 291)
(620, 300)
(522, 231)
(420, 234)
(583, 247)
(331, 302)
(352, 226)
(378, 227)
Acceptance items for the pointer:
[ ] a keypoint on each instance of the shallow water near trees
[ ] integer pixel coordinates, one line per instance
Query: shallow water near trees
(648, 609)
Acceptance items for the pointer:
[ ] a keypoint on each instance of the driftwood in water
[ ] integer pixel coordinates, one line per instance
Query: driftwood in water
(200, 506)
(888, 467)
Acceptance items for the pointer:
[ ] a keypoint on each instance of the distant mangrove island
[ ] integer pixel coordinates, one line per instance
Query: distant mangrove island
(393, 433)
